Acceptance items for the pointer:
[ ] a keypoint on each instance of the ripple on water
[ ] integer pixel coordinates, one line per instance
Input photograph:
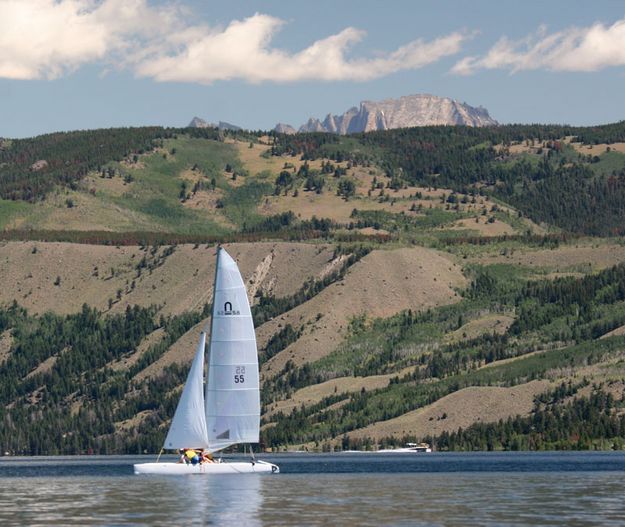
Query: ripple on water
(439, 489)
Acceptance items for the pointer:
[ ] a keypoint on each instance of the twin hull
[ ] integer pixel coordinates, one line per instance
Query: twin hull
(181, 469)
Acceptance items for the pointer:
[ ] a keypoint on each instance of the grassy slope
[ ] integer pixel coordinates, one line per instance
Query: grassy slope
(148, 200)
(180, 281)
(145, 196)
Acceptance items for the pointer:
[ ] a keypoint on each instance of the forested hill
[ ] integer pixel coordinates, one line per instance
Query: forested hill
(29, 168)
(545, 171)
(460, 285)
(569, 177)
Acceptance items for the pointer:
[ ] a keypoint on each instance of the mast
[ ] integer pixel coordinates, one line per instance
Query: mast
(210, 341)
(210, 337)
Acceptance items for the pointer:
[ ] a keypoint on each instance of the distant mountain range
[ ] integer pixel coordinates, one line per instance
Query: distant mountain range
(411, 110)
(405, 112)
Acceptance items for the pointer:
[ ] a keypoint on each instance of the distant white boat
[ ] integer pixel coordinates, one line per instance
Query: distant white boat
(227, 411)
(410, 447)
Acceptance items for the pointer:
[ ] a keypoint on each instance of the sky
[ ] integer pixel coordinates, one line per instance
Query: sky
(83, 64)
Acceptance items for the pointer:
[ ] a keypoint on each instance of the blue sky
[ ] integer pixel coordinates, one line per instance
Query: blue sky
(76, 64)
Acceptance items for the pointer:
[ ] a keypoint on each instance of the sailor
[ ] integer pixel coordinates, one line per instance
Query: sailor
(207, 457)
(192, 456)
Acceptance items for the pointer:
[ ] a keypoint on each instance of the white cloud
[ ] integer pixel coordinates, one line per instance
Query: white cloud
(49, 38)
(575, 49)
(243, 51)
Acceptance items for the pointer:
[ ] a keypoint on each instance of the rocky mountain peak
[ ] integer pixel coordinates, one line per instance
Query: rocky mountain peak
(283, 128)
(407, 111)
(198, 122)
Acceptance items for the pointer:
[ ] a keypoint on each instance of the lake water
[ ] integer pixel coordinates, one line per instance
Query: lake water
(331, 489)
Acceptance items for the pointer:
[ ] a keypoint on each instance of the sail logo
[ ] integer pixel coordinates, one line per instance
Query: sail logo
(223, 435)
(228, 310)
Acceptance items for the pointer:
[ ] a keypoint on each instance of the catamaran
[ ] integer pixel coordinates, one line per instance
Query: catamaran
(226, 411)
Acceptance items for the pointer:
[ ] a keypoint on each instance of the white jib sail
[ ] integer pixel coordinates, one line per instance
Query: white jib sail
(188, 427)
(232, 389)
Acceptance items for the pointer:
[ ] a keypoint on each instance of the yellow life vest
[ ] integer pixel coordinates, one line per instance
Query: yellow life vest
(190, 454)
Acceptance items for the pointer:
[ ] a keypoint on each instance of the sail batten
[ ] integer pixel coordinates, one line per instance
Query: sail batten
(234, 341)
(232, 399)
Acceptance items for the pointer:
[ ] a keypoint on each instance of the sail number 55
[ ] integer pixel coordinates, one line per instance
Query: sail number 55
(239, 375)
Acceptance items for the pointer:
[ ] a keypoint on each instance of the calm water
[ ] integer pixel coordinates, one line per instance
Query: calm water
(334, 489)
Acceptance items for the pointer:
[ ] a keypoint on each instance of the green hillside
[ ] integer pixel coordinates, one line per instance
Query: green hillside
(460, 285)
(198, 181)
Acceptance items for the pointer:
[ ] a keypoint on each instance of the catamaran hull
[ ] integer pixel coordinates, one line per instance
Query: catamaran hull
(182, 469)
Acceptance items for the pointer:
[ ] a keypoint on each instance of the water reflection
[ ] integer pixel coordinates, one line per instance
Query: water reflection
(131, 500)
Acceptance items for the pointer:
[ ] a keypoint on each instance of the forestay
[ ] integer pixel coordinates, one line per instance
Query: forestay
(232, 391)
(188, 427)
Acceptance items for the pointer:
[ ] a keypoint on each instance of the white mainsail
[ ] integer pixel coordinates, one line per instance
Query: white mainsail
(232, 391)
(188, 427)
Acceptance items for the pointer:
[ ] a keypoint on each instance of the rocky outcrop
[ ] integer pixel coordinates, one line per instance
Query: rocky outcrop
(39, 165)
(197, 122)
(408, 111)
(312, 125)
(223, 125)
(282, 128)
